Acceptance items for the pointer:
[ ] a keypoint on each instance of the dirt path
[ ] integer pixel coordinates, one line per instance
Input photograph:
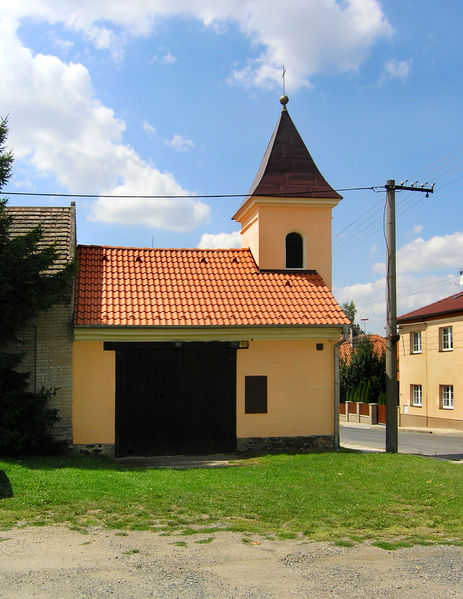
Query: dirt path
(57, 562)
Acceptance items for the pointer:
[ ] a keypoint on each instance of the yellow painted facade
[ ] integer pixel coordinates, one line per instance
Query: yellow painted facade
(434, 367)
(300, 389)
(265, 223)
(93, 402)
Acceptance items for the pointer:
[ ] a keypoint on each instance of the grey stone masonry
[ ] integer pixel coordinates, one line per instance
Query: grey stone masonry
(285, 444)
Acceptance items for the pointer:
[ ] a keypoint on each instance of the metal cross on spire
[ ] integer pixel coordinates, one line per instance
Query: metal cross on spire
(284, 98)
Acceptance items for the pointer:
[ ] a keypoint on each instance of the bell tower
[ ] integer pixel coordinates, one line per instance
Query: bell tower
(286, 216)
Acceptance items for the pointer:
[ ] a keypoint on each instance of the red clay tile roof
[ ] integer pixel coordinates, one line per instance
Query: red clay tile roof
(379, 346)
(448, 305)
(58, 226)
(192, 287)
(287, 167)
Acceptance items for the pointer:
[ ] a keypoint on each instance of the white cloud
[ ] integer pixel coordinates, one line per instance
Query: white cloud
(396, 69)
(417, 229)
(412, 292)
(306, 35)
(63, 45)
(427, 270)
(60, 128)
(220, 240)
(439, 252)
(149, 129)
(168, 58)
(180, 143)
(165, 58)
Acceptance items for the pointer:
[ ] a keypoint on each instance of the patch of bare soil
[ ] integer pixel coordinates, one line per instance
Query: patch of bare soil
(56, 562)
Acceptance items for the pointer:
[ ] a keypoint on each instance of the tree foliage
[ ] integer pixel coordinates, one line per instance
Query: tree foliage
(363, 373)
(350, 310)
(28, 285)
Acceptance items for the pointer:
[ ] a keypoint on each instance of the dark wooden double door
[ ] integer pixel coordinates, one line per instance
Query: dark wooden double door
(175, 399)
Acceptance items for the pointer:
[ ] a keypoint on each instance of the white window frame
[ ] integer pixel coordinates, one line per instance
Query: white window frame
(415, 336)
(446, 338)
(446, 397)
(416, 396)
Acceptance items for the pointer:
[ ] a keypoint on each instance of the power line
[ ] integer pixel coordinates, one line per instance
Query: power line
(298, 194)
(368, 223)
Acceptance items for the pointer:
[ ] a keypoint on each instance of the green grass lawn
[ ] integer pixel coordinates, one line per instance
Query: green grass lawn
(341, 497)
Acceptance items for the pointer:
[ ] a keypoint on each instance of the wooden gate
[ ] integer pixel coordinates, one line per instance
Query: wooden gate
(175, 398)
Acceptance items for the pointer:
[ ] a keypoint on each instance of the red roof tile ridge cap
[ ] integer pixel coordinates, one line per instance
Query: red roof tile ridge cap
(161, 249)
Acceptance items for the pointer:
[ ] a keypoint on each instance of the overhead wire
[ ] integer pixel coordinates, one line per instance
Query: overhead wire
(370, 223)
(299, 194)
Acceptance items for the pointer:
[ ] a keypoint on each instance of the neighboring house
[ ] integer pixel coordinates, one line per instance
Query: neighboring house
(194, 351)
(47, 341)
(431, 358)
(379, 345)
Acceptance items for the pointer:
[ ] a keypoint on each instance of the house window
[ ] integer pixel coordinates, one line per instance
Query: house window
(446, 397)
(255, 395)
(415, 342)
(446, 338)
(416, 396)
(294, 253)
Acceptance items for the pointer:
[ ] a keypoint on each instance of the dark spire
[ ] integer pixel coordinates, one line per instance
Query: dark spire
(287, 168)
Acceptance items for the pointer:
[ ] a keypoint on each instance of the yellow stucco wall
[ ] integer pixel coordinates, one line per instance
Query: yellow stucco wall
(266, 236)
(430, 369)
(300, 390)
(93, 402)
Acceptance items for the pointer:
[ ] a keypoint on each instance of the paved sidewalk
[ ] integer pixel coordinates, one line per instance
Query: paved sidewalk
(410, 429)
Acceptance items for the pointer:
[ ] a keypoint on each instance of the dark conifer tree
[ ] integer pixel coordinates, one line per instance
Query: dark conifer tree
(29, 283)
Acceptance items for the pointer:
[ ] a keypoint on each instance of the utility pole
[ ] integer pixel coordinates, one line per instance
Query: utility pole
(392, 338)
(392, 431)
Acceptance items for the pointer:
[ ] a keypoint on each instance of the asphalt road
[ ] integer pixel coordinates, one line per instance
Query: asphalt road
(444, 445)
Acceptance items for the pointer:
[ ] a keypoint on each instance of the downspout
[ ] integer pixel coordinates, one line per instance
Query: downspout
(345, 333)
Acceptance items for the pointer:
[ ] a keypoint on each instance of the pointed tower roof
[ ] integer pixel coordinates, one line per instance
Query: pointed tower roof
(287, 168)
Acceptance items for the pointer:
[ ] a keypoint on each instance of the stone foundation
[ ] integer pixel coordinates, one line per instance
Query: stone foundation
(106, 449)
(285, 444)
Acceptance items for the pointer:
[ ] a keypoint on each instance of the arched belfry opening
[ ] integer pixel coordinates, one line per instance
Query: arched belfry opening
(294, 246)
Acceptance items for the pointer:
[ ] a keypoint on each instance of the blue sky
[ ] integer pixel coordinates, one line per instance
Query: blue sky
(174, 97)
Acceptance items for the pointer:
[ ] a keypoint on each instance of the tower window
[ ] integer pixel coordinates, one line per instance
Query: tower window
(294, 255)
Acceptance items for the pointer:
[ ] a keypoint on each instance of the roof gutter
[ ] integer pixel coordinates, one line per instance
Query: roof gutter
(345, 333)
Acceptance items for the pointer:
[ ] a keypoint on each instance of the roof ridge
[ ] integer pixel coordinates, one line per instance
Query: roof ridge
(139, 248)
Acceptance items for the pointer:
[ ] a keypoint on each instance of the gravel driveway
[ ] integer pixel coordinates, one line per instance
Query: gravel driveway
(57, 562)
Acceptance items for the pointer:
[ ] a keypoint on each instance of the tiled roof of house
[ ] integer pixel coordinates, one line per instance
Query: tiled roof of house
(58, 226)
(287, 167)
(193, 287)
(448, 305)
(379, 345)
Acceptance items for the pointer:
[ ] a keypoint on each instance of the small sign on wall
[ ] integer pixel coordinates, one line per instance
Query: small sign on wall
(405, 409)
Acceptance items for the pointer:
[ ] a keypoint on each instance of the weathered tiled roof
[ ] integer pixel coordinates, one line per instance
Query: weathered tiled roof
(288, 169)
(58, 226)
(448, 305)
(379, 345)
(192, 287)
